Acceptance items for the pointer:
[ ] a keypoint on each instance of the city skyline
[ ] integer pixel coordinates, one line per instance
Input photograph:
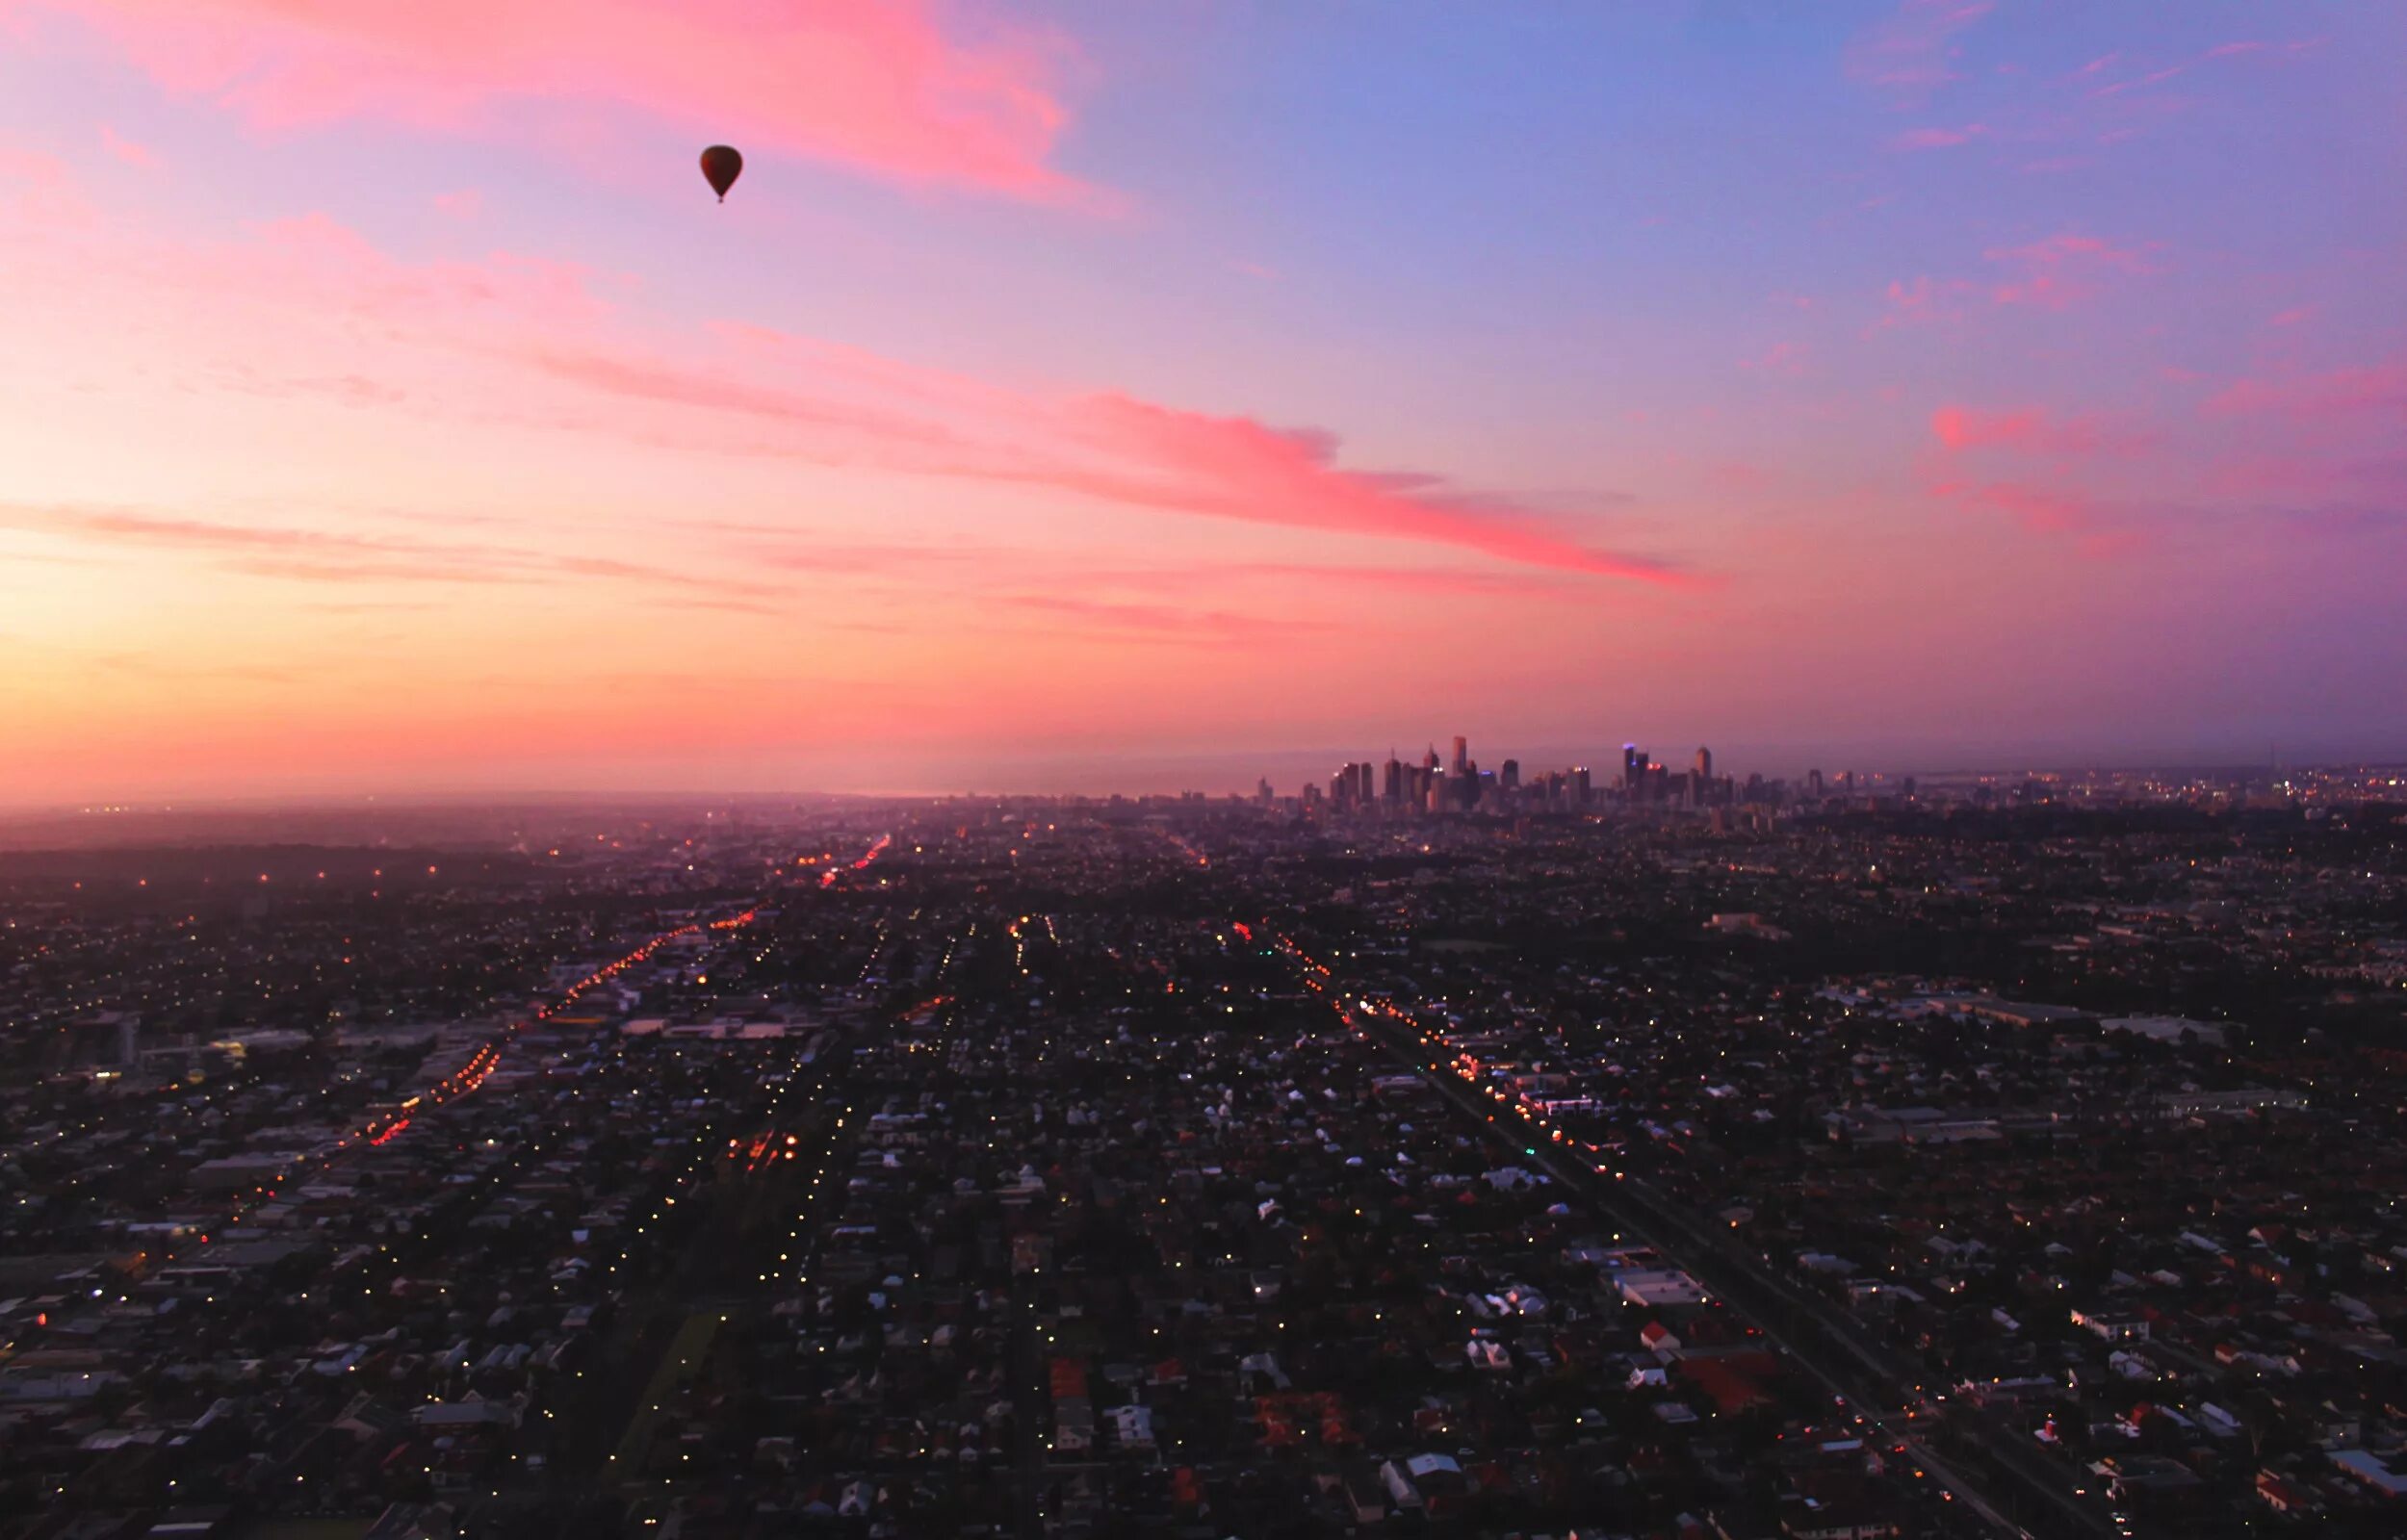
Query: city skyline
(1080, 395)
(1305, 782)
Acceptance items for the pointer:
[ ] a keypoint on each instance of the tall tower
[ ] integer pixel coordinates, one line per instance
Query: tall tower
(1461, 764)
(1705, 763)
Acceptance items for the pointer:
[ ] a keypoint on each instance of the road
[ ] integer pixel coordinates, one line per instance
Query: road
(1812, 1330)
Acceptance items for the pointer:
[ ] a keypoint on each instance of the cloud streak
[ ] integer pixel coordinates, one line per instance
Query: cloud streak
(2029, 431)
(1915, 50)
(331, 557)
(1108, 447)
(2061, 269)
(2056, 273)
(885, 89)
(2351, 394)
(1937, 138)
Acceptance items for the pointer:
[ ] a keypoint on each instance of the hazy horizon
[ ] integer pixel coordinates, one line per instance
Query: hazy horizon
(1221, 774)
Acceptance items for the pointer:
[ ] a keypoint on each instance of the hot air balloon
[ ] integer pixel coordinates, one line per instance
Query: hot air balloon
(721, 166)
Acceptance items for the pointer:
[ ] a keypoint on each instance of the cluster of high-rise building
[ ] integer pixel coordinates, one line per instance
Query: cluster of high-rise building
(1457, 783)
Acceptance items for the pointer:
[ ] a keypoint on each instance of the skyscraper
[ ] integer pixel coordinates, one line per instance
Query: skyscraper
(1461, 764)
(1705, 763)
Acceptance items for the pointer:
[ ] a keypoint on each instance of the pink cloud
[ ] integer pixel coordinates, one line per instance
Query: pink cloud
(1164, 623)
(126, 149)
(1923, 302)
(1962, 428)
(465, 204)
(1022, 569)
(1915, 49)
(1237, 468)
(312, 260)
(2154, 77)
(1737, 475)
(34, 186)
(307, 270)
(1436, 581)
(2240, 48)
(670, 385)
(2061, 269)
(1780, 358)
(853, 408)
(880, 88)
(2029, 429)
(2035, 509)
(1939, 139)
(2293, 477)
(2053, 512)
(2340, 392)
(339, 556)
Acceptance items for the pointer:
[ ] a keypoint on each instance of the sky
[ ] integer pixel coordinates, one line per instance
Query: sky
(1094, 395)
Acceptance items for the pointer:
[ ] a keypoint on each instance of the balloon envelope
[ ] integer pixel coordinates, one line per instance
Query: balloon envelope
(721, 166)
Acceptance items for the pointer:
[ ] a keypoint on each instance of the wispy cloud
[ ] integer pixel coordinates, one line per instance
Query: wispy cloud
(349, 390)
(131, 152)
(1937, 138)
(34, 188)
(2055, 273)
(2376, 390)
(1925, 301)
(892, 89)
(1915, 50)
(2238, 48)
(2030, 430)
(2061, 269)
(1005, 568)
(1780, 358)
(1108, 447)
(1163, 622)
(1237, 468)
(302, 554)
(2054, 512)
